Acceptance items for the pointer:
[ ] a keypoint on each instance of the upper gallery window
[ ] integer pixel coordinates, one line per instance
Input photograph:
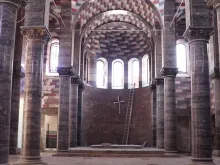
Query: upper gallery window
(52, 62)
(145, 71)
(101, 73)
(133, 73)
(117, 74)
(181, 58)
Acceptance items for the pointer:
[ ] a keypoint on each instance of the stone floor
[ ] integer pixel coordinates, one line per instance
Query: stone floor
(184, 160)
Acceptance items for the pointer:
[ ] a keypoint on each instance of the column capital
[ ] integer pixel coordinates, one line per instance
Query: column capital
(169, 72)
(75, 80)
(65, 71)
(36, 33)
(213, 3)
(159, 81)
(198, 33)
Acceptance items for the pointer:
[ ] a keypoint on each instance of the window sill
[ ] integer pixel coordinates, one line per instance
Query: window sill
(183, 75)
(52, 74)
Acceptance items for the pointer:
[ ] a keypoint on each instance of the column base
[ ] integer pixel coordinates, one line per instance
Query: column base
(61, 153)
(26, 160)
(202, 161)
(14, 151)
(216, 153)
(171, 153)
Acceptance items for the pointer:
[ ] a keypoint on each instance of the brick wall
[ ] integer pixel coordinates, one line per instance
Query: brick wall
(183, 108)
(183, 96)
(50, 92)
(102, 123)
(50, 87)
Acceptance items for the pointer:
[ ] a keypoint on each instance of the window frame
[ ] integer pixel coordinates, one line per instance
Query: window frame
(52, 42)
(123, 76)
(105, 62)
(130, 73)
(147, 83)
(186, 44)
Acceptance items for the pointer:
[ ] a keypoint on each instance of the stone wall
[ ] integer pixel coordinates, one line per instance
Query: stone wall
(102, 123)
(183, 108)
(50, 88)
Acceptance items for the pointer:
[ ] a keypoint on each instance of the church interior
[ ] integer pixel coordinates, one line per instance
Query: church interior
(110, 78)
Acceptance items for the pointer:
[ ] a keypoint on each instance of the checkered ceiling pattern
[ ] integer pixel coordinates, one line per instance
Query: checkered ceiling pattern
(94, 15)
(107, 18)
(136, 6)
(144, 9)
(76, 4)
(122, 42)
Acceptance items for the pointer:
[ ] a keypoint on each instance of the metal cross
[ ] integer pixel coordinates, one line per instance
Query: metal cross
(119, 104)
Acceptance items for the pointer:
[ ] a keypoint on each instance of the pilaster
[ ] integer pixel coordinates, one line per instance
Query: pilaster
(80, 127)
(160, 113)
(63, 112)
(216, 76)
(154, 112)
(170, 120)
(73, 110)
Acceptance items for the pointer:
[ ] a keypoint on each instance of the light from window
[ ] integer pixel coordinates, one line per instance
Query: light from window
(100, 74)
(117, 74)
(145, 71)
(133, 73)
(181, 57)
(54, 55)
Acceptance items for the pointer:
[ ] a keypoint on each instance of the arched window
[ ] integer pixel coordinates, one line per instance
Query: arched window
(53, 57)
(133, 73)
(181, 58)
(101, 73)
(117, 74)
(145, 71)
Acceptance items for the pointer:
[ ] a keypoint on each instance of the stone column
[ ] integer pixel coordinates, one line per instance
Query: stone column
(126, 74)
(170, 122)
(92, 71)
(73, 111)
(216, 5)
(201, 116)
(8, 15)
(15, 100)
(140, 71)
(63, 113)
(169, 72)
(154, 112)
(160, 113)
(216, 152)
(80, 130)
(110, 60)
(36, 39)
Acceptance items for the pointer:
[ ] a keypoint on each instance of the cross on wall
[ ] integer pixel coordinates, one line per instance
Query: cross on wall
(119, 102)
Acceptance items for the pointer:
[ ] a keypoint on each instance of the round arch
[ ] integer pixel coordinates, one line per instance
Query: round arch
(88, 10)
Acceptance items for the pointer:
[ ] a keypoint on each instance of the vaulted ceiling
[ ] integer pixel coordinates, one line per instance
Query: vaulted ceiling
(118, 40)
(118, 27)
